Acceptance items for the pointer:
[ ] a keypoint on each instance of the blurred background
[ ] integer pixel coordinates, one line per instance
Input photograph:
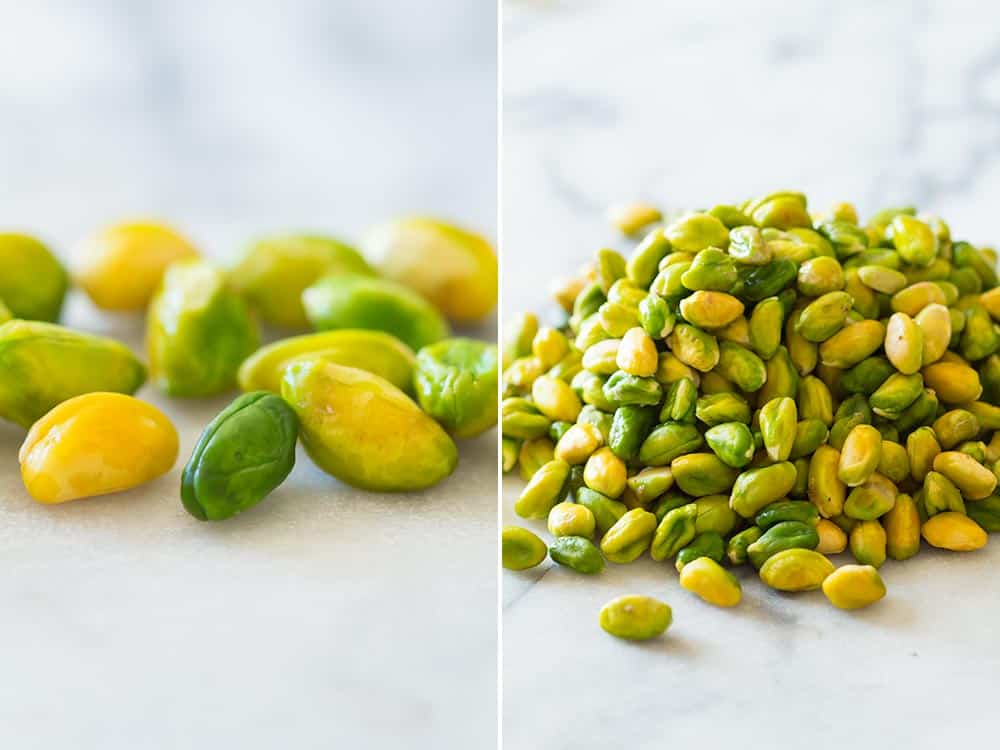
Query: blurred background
(689, 104)
(325, 617)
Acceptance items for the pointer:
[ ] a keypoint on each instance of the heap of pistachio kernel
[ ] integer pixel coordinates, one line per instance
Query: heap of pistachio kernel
(756, 384)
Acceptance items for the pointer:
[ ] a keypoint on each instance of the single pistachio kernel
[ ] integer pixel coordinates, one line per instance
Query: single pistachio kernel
(832, 539)
(555, 399)
(860, 456)
(796, 570)
(571, 519)
(578, 443)
(604, 472)
(637, 354)
(635, 618)
(712, 583)
(854, 586)
(973, 479)
(953, 531)
(521, 549)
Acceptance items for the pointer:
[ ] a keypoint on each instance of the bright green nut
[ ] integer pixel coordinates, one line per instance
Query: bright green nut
(872, 499)
(520, 419)
(846, 237)
(852, 344)
(778, 427)
(747, 246)
(606, 511)
(643, 263)
(736, 548)
(902, 528)
(623, 389)
(555, 399)
(680, 402)
(986, 513)
(711, 270)
(577, 553)
(694, 347)
(904, 343)
(765, 326)
(650, 483)
(709, 544)
(894, 462)
(707, 309)
(364, 431)
(918, 414)
(732, 442)
(374, 351)
(712, 583)
(824, 487)
(741, 367)
(32, 281)
(656, 317)
(756, 488)
(810, 434)
(602, 420)
(275, 270)
(787, 510)
(44, 364)
(667, 442)
(714, 514)
(922, 448)
(243, 454)
(860, 455)
(629, 429)
(896, 394)
(668, 282)
(916, 297)
(866, 376)
(823, 317)
(731, 216)
(972, 479)
(571, 519)
(353, 301)
(781, 536)
(674, 532)
(198, 331)
(761, 282)
(456, 383)
(967, 256)
(629, 537)
(881, 279)
(609, 266)
(796, 570)
(914, 240)
(980, 337)
(955, 427)
(819, 276)
(701, 474)
(696, 231)
(635, 618)
(868, 543)
(520, 549)
(854, 586)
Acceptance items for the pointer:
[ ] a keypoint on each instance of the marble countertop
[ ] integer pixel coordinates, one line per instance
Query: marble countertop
(324, 617)
(692, 103)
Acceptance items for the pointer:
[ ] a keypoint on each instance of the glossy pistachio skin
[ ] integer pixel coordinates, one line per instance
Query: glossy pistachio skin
(520, 548)
(121, 266)
(96, 444)
(635, 618)
(374, 351)
(198, 331)
(363, 430)
(352, 301)
(32, 281)
(43, 364)
(275, 270)
(454, 268)
(243, 454)
(456, 383)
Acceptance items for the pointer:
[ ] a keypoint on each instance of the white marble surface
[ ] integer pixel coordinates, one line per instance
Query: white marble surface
(686, 104)
(325, 617)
